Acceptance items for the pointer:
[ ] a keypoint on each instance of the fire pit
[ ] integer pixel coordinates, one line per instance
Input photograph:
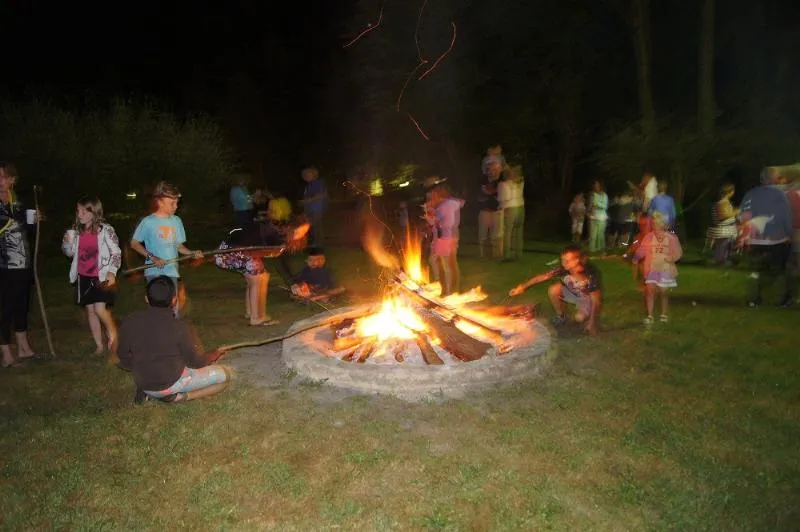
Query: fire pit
(417, 342)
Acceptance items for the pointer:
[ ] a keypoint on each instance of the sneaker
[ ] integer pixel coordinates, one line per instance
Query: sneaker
(648, 321)
(558, 320)
(663, 318)
(753, 304)
(140, 397)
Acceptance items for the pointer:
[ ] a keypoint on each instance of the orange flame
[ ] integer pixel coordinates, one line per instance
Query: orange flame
(412, 258)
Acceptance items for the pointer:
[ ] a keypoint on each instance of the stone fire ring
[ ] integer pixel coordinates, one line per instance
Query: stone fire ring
(414, 382)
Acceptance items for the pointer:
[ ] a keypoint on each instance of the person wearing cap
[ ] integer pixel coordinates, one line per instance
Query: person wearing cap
(160, 237)
(160, 352)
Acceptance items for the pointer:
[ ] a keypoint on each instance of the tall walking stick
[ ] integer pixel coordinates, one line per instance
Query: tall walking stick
(36, 273)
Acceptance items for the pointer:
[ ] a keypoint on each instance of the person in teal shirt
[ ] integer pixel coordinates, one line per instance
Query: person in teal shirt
(160, 238)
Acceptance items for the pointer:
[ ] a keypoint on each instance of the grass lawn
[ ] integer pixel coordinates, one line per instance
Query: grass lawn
(694, 425)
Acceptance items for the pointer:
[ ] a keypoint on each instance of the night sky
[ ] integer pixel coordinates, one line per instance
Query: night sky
(283, 63)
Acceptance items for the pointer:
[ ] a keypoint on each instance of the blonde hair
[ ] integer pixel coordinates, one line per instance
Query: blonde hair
(94, 206)
(660, 220)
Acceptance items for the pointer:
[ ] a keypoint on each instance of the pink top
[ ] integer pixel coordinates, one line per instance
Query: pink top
(87, 254)
(660, 250)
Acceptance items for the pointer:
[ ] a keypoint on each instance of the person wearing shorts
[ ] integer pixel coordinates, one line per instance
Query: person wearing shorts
(579, 284)
(159, 350)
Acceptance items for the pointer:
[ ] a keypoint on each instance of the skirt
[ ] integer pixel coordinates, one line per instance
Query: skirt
(90, 291)
(661, 279)
(239, 262)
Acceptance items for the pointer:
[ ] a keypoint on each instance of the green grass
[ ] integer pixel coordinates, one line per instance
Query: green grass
(691, 426)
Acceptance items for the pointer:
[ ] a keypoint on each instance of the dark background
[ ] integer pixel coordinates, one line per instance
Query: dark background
(552, 80)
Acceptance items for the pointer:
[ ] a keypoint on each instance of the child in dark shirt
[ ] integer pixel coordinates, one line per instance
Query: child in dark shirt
(159, 350)
(579, 284)
(315, 281)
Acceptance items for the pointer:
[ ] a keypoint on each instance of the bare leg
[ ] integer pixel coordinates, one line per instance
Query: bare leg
(664, 301)
(252, 298)
(650, 297)
(108, 322)
(95, 327)
(554, 293)
(8, 358)
(247, 312)
(205, 392)
(263, 286)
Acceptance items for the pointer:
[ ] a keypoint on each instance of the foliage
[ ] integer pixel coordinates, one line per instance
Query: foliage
(691, 425)
(108, 152)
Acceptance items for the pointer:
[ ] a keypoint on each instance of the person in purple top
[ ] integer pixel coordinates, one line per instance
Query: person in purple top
(445, 221)
(664, 204)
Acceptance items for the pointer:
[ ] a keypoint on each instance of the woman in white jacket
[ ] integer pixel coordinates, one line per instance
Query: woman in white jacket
(96, 257)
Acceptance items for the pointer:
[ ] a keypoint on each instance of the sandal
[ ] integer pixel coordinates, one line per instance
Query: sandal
(266, 323)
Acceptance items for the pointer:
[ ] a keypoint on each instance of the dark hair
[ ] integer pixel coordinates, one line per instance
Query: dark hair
(160, 292)
(164, 189)
(573, 248)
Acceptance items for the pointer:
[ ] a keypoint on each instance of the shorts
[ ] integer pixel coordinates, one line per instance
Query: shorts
(583, 303)
(577, 226)
(90, 291)
(661, 279)
(239, 262)
(193, 379)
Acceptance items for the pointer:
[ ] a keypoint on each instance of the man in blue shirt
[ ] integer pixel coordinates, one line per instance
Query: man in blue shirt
(160, 237)
(315, 202)
(242, 201)
(663, 204)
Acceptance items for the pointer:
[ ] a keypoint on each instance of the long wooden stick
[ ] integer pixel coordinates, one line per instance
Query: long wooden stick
(275, 252)
(36, 275)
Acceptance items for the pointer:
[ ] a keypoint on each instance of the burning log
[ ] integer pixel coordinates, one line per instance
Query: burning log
(365, 350)
(428, 354)
(463, 346)
(445, 310)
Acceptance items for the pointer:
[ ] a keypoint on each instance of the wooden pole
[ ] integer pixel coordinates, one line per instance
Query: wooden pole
(36, 280)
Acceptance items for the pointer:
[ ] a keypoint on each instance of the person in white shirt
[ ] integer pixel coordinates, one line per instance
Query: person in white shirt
(598, 218)
(510, 196)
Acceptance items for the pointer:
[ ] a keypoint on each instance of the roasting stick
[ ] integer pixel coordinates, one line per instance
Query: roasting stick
(270, 251)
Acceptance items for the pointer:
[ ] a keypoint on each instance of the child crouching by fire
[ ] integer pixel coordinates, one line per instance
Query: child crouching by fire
(315, 281)
(579, 284)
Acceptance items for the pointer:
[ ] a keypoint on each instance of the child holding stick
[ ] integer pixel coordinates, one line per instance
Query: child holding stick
(160, 238)
(579, 284)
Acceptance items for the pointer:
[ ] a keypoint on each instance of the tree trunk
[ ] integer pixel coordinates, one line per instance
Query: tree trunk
(706, 106)
(642, 47)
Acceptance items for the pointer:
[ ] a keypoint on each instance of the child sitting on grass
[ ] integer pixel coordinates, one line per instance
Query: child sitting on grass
(579, 284)
(659, 250)
(315, 282)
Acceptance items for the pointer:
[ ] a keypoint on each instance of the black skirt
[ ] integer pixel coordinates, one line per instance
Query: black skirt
(90, 291)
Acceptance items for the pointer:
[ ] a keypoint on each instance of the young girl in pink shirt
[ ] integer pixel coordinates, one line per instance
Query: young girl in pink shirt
(96, 257)
(660, 250)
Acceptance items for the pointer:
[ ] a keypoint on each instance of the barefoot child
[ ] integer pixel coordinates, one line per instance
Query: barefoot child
(659, 250)
(579, 284)
(96, 257)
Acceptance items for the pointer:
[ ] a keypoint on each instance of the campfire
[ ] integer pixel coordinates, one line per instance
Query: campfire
(415, 324)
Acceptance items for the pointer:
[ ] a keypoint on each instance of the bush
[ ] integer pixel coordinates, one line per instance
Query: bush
(110, 152)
